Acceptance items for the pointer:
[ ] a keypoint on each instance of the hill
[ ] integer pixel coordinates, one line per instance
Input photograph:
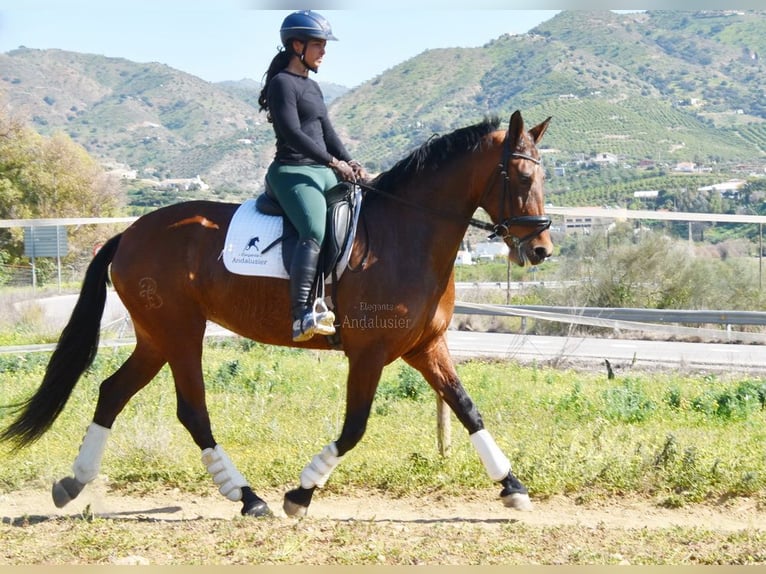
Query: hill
(150, 117)
(677, 86)
(660, 86)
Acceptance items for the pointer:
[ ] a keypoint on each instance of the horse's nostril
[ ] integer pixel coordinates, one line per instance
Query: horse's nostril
(541, 252)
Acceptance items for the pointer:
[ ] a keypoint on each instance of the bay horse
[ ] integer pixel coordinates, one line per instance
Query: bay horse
(166, 269)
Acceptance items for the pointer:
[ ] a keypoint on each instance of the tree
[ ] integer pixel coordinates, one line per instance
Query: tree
(49, 177)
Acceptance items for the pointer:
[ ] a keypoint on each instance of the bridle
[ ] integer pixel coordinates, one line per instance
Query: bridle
(502, 230)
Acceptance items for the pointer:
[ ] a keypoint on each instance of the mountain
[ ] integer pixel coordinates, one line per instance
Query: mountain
(151, 117)
(249, 90)
(684, 86)
(658, 85)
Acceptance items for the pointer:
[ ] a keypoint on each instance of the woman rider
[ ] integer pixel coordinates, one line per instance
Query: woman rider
(309, 160)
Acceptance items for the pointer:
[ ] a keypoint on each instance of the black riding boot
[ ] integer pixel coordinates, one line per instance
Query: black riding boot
(308, 319)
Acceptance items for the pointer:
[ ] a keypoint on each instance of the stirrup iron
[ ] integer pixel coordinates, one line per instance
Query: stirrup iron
(318, 320)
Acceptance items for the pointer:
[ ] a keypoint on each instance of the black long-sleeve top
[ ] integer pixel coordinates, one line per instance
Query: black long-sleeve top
(304, 133)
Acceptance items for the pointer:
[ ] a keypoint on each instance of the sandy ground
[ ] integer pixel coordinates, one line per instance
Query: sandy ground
(483, 508)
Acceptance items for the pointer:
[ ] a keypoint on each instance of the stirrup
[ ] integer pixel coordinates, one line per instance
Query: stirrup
(318, 320)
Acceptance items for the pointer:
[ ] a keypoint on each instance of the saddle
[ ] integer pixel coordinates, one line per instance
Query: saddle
(340, 212)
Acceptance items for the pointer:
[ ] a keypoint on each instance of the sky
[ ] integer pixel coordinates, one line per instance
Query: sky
(219, 40)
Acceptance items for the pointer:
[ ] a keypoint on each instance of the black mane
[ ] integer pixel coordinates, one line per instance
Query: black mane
(436, 152)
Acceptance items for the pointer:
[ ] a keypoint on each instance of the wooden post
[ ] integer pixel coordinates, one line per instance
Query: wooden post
(443, 427)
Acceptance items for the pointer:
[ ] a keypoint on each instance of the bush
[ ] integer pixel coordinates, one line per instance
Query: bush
(629, 267)
(410, 385)
(627, 403)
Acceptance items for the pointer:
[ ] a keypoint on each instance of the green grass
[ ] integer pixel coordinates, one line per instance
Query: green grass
(677, 438)
(670, 438)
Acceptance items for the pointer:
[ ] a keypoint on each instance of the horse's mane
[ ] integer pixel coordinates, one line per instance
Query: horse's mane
(436, 152)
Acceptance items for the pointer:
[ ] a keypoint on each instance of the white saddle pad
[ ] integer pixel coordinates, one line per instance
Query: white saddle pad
(250, 232)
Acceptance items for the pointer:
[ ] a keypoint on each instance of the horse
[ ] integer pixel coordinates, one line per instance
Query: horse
(165, 267)
(253, 243)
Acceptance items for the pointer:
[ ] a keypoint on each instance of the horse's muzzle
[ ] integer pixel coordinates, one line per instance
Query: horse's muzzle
(538, 253)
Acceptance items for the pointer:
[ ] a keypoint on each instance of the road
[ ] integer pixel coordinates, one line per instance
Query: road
(584, 351)
(620, 352)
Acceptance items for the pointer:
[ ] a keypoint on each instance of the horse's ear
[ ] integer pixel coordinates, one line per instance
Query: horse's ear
(538, 131)
(515, 126)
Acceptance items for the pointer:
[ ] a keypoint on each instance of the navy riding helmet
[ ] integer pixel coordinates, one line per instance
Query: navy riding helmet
(303, 25)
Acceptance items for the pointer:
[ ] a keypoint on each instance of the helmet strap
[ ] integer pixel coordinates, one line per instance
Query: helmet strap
(302, 57)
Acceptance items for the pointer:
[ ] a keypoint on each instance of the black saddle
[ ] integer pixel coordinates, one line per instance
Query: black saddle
(340, 211)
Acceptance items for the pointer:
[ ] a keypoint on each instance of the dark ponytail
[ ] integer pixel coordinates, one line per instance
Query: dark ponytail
(278, 63)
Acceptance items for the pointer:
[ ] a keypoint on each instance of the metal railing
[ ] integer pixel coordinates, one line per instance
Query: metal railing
(670, 322)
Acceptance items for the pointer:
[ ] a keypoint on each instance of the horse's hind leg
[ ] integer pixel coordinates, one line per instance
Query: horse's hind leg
(435, 364)
(114, 393)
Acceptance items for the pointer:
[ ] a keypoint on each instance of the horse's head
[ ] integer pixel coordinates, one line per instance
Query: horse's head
(514, 196)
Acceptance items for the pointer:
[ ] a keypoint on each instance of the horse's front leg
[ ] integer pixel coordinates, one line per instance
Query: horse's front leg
(363, 377)
(193, 414)
(436, 366)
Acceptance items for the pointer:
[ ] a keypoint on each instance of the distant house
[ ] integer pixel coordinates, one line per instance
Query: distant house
(686, 167)
(646, 194)
(581, 225)
(181, 184)
(585, 225)
(463, 258)
(605, 158)
(729, 189)
(490, 250)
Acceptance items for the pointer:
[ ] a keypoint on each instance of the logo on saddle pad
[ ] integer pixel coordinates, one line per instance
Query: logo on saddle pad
(261, 245)
(253, 243)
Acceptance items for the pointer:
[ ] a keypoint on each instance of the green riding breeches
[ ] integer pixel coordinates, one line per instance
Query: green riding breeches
(300, 190)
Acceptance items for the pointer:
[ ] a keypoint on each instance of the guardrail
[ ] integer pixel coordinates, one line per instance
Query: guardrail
(700, 316)
(669, 322)
(647, 320)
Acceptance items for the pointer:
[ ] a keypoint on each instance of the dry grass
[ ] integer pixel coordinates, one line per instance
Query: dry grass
(89, 540)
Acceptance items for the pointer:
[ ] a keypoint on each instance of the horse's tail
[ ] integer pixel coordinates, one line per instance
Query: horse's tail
(74, 353)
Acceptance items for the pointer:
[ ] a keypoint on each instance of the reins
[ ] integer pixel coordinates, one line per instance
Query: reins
(433, 210)
(502, 230)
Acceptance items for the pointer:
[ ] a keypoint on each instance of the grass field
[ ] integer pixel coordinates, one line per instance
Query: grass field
(682, 438)
(671, 440)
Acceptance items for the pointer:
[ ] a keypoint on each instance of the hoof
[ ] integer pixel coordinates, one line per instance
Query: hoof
(254, 505)
(293, 509)
(297, 502)
(518, 500)
(257, 509)
(65, 491)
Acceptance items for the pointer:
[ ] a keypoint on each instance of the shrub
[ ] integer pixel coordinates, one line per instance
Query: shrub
(627, 403)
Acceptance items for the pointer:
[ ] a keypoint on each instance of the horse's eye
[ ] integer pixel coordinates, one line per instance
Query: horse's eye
(525, 178)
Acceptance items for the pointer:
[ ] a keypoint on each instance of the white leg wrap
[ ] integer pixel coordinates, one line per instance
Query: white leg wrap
(497, 464)
(321, 466)
(88, 461)
(224, 473)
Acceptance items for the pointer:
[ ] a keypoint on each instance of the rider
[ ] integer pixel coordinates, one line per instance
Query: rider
(309, 159)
